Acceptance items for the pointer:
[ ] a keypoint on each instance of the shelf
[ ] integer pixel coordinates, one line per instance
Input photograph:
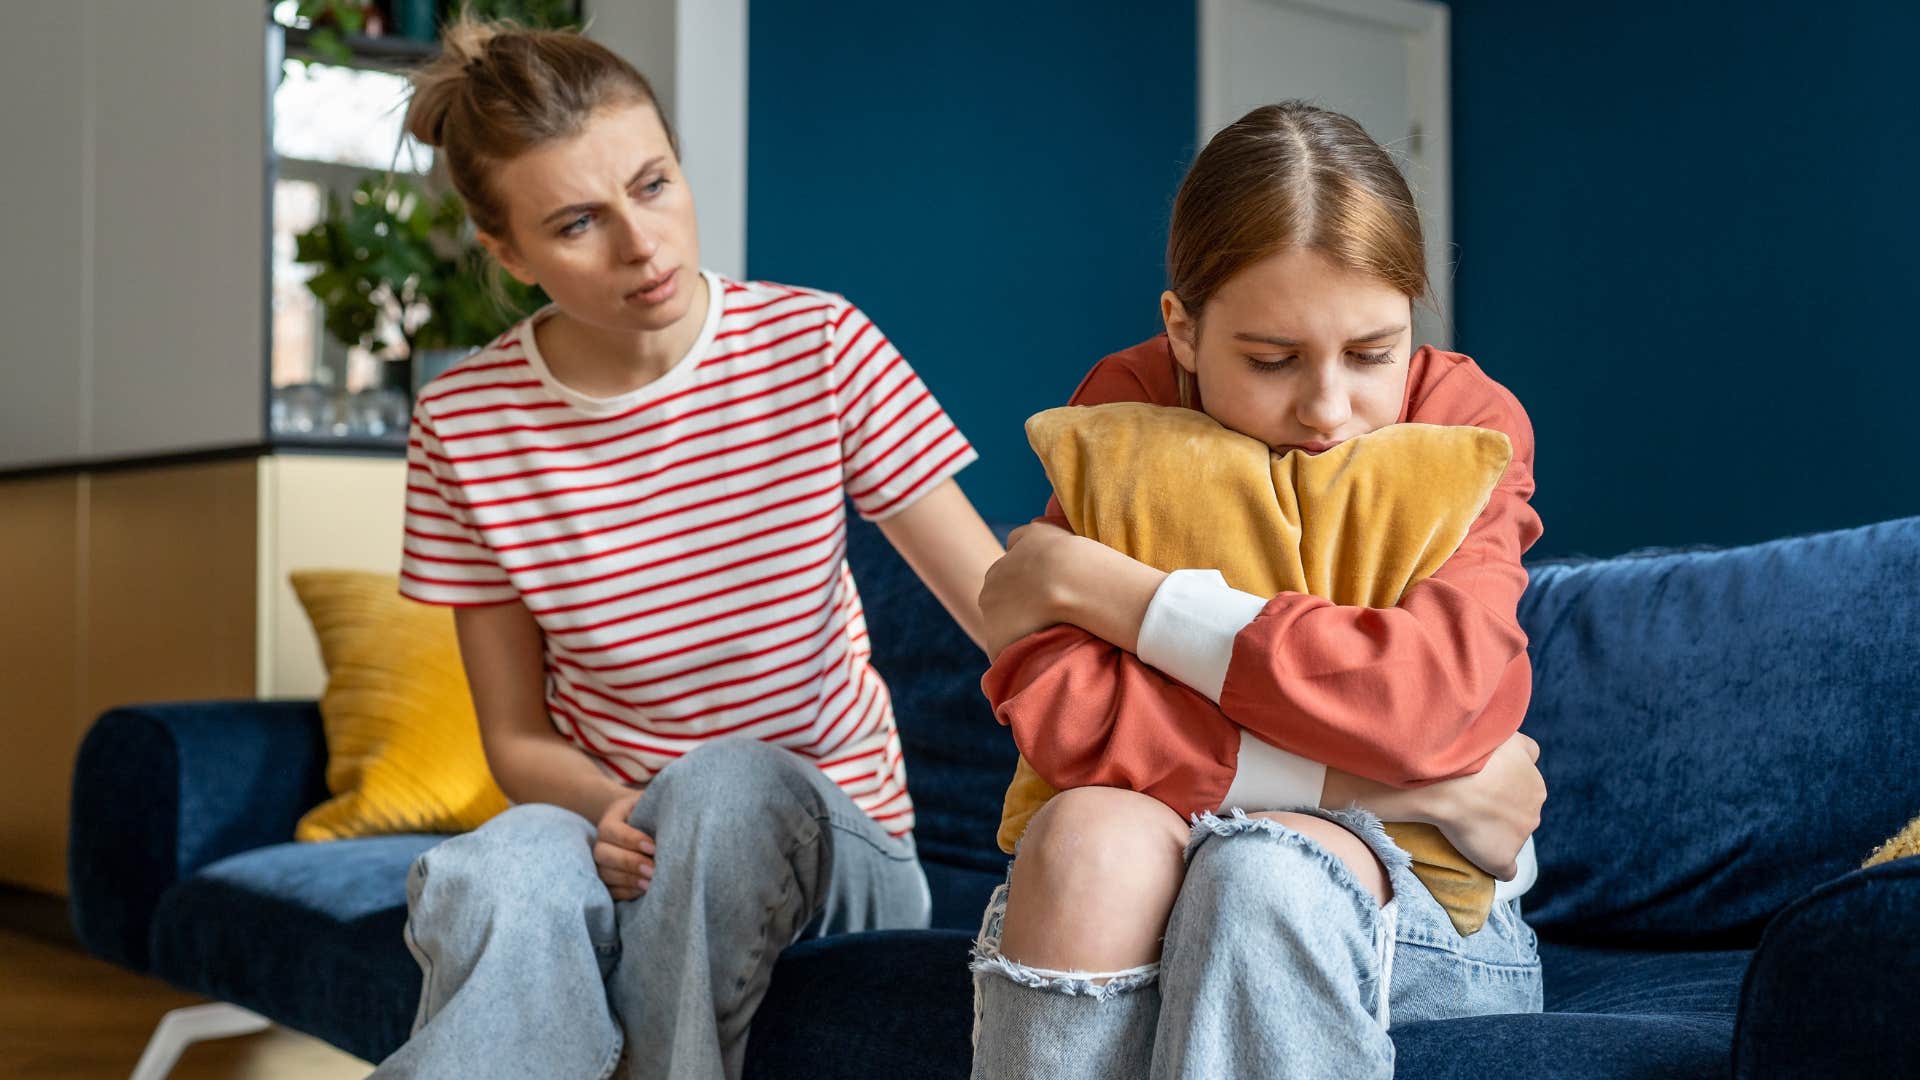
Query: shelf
(389, 53)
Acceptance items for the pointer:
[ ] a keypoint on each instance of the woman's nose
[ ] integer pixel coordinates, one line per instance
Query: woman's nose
(636, 244)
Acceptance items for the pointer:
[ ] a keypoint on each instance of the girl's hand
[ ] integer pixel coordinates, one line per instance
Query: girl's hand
(1022, 590)
(1487, 816)
(1051, 576)
(622, 853)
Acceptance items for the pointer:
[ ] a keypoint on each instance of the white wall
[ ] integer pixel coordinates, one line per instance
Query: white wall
(134, 229)
(46, 251)
(694, 52)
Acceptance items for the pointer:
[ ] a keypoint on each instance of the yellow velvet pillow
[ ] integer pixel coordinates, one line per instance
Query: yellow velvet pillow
(1356, 525)
(403, 747)
(1902, 845)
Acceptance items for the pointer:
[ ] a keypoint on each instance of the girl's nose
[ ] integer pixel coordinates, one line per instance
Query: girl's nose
(1324, 407)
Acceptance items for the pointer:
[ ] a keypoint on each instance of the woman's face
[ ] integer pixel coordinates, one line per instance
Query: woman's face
(604, 222)
(1297, 352)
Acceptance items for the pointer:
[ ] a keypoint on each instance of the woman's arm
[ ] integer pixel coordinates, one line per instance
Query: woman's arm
(943, 538)
(504, 654)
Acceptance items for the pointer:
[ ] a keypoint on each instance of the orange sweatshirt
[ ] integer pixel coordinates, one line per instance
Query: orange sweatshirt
(1407, 695)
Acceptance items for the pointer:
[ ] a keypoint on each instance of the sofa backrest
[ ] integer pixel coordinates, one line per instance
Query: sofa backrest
(1721, 730)
(959, 758)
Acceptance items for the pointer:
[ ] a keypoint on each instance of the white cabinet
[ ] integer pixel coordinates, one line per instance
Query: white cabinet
(134, 230)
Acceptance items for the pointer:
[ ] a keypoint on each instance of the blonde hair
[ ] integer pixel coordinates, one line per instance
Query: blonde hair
(1286, 176)
(498, 90)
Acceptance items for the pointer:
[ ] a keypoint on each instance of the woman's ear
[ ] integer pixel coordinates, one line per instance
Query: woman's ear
(1183, 330)
(509, 259)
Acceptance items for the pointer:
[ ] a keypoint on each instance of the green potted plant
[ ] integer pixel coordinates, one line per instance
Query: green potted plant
(398, 273)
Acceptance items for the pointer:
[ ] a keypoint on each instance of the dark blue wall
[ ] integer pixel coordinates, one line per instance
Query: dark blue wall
(1687, 241)
(990, 182)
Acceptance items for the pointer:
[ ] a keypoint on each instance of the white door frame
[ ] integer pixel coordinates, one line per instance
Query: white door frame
(1430, 83)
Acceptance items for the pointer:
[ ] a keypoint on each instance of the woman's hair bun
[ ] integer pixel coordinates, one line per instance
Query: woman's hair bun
(439, 83)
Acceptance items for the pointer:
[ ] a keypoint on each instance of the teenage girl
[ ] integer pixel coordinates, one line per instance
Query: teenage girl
(1281, 932)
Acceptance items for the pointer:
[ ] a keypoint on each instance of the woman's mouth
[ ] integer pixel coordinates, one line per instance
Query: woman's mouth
(657, 291)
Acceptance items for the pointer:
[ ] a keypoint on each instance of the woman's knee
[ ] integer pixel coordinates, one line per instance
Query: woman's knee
(531, 854)
(738, 774)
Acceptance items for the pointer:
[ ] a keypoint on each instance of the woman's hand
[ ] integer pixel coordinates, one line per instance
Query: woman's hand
(1487, 816)
(1051, 576)
(622, 853)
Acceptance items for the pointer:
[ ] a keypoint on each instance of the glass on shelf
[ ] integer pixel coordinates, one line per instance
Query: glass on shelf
(307, 409)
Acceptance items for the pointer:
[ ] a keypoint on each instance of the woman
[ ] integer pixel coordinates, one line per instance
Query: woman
(634, 500)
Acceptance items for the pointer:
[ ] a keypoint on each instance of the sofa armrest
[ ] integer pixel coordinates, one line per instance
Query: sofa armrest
(162, 790)
(1830, 990)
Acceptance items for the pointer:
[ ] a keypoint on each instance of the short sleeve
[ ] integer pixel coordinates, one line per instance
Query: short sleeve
(896, 442)
(444, 558)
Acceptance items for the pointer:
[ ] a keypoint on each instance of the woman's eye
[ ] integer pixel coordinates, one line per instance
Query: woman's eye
(1268, 363)
(653, 187)
(577, 225)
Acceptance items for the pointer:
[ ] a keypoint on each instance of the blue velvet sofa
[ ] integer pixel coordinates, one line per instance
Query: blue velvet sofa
(1726, 734)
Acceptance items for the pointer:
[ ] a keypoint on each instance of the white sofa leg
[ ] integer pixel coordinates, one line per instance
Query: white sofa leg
(182, 1028)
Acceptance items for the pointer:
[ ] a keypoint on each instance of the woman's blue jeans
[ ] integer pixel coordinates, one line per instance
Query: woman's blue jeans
(531, 969)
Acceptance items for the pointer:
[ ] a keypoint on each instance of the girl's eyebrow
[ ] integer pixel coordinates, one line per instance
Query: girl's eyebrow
(1290, 343)
(579, 208)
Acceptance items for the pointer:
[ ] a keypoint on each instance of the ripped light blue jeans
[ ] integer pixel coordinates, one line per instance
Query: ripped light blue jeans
(531, 969)
(1277, 962)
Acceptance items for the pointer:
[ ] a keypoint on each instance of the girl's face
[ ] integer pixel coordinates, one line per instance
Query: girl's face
(604, 222)
(1297, 352)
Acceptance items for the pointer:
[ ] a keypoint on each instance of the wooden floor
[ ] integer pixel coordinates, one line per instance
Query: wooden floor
(65, 1014)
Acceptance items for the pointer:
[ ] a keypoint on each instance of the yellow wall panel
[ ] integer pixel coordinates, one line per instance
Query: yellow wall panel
(39, 667)
(169, 603)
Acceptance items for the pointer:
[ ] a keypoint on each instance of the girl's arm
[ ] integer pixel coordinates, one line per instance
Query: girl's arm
(943, 538)
(504, 654)
(1406, 695)
(1116, 722)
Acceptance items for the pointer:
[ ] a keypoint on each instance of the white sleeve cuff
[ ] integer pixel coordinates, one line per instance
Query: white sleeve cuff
(1269, 778)
(1522, 881)
(1190, 626)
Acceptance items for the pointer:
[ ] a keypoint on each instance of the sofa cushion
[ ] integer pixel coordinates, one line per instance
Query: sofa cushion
(1686, 701)
(308, 935)
(1610, 1013)
(1622, 1014)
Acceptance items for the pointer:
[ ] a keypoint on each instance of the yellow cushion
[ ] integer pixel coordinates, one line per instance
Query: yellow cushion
(1356, 525)
(1903, 845)
(403, 747)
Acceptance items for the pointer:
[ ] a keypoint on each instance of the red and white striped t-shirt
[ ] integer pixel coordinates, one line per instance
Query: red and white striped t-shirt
(683, 546)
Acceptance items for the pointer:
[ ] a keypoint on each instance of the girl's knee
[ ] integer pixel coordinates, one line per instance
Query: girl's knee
(1094, 880)
(1105, 838)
